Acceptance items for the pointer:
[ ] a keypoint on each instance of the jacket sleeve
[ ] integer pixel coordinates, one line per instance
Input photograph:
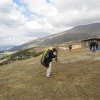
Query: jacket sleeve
(51, 54)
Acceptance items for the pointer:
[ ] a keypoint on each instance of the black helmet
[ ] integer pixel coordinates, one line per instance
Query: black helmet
(54, 49)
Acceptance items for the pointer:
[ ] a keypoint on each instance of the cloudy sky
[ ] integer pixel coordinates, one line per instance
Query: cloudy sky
(25, 20)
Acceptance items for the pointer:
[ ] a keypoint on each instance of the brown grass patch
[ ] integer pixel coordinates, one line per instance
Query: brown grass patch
(75, 77)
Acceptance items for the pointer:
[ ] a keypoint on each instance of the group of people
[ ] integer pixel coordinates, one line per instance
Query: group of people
(48, 61)
(93, 45)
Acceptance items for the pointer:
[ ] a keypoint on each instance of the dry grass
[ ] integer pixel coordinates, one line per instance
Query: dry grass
(75, 77)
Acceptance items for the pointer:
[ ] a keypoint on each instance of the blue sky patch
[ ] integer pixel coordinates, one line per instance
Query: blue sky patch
(18, 2)
(29, 14)
(48, 1)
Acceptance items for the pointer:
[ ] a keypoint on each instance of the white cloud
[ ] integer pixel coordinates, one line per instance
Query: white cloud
(37, 18)
(14, 36)
(9, 15)
(65, 13)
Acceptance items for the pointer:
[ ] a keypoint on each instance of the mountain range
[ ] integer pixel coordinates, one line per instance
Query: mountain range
(76, 33)
(6, 47)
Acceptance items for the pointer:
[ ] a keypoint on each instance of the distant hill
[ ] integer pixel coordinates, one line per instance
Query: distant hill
(6, 47)
(77, 33)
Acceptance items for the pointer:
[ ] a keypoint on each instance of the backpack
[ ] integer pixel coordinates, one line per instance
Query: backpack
(70, 46)
(44, 56)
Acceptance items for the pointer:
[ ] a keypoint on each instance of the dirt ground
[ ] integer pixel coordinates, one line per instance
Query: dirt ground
(76, 76)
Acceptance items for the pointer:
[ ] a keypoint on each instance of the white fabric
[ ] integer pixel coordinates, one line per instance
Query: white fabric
(49, 70)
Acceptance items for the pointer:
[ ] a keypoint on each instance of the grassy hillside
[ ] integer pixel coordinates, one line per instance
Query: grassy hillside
(19, 55)
(76, 76)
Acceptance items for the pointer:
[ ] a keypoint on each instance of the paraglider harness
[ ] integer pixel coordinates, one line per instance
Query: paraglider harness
(46, 55)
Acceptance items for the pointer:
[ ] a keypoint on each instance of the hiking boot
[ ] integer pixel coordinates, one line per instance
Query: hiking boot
(48, 76)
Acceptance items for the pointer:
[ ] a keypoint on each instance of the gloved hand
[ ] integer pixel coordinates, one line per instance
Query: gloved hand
(56, 59)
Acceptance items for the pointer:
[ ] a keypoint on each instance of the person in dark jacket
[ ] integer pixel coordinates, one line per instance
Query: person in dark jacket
(70, 47)
(93, 46)
(96, 45)
(90, 45)
(48, 61)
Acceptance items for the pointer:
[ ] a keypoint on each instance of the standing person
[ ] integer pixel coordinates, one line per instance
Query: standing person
(93, 46)
(48, 61)
(70, 47)
(90, 45)
(96, 45)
